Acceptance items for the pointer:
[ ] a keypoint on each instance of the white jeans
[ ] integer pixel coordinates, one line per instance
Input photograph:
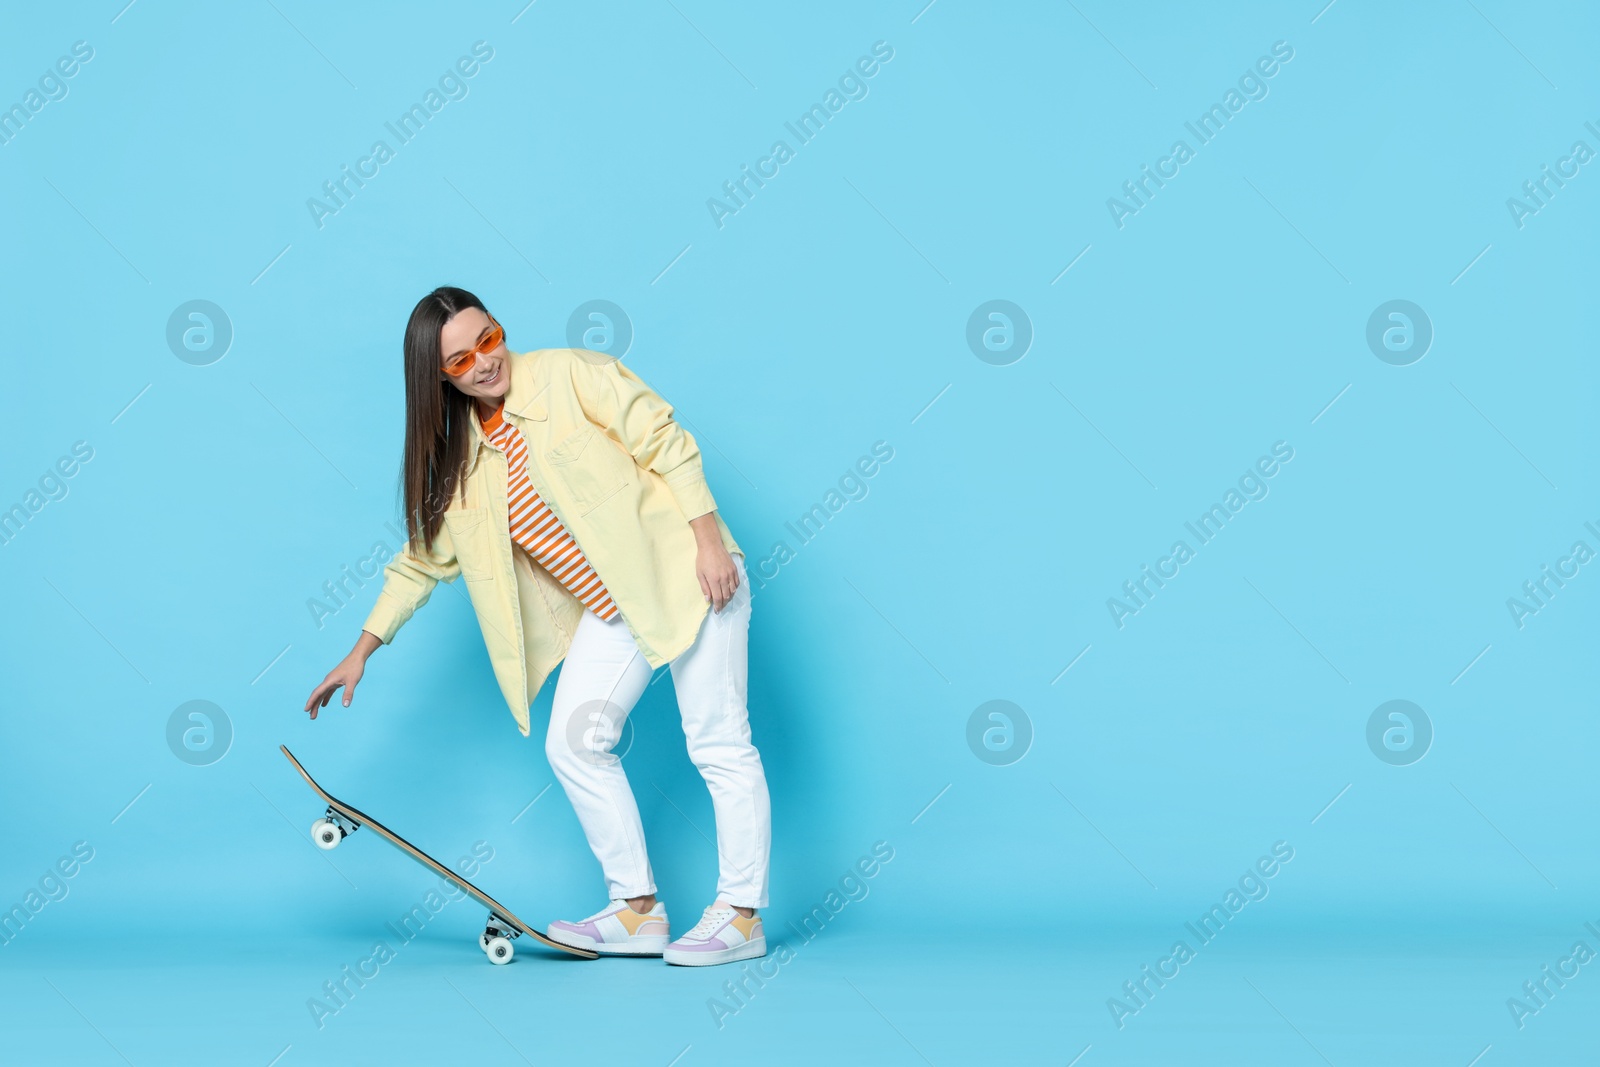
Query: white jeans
(601, 680)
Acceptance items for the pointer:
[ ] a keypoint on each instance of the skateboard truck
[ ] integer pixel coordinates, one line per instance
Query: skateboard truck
(496, 939)
(332, 828)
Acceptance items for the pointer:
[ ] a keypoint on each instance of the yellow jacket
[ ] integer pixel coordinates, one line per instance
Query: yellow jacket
(623, 477)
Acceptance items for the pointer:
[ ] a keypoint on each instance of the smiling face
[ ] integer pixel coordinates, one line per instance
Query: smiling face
(489, 376)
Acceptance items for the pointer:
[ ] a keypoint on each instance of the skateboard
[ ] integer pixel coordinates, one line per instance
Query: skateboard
(341, 820)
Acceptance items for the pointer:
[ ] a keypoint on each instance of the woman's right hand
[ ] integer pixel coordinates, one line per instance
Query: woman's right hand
(347, 674)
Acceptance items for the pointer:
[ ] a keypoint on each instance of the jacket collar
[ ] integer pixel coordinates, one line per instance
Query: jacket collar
(525, 401)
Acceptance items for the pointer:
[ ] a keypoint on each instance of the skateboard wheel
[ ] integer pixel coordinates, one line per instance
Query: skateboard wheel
(326, 834)
(499, 950)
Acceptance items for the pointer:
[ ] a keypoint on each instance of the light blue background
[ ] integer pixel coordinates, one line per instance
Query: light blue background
(828, 314)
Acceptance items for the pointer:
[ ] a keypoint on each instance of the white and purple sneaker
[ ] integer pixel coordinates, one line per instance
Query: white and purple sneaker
(721, 936)
(616, 930)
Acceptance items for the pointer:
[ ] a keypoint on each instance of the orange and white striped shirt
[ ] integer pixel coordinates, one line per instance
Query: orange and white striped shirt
(535, 528)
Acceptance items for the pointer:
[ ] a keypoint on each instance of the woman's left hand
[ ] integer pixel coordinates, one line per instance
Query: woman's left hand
(718, 576)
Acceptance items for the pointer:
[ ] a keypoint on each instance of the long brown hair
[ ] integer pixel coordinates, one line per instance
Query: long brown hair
(437, 431)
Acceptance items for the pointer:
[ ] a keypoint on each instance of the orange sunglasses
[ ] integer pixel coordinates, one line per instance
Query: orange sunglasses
(466, 360)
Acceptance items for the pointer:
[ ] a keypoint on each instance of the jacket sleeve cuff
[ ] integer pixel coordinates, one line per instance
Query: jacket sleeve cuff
(689, 488)
(387, 616)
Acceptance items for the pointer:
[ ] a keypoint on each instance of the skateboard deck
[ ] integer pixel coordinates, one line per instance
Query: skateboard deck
(342, 820)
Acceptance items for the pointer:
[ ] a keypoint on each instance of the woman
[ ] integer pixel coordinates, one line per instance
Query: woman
(558, 485)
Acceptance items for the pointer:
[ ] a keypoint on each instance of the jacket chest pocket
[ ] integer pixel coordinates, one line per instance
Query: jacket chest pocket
(469, 534)
(591, 467)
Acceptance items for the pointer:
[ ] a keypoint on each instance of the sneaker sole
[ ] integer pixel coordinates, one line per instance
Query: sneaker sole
(650, 945)
(748, 951)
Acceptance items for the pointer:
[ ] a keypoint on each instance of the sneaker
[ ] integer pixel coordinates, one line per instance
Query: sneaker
(721, 936)
(616, 930)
